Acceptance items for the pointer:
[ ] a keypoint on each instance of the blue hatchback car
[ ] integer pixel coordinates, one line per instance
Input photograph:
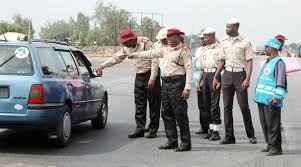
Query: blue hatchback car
(49, 86)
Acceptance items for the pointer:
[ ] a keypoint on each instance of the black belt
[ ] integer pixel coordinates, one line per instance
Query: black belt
(173, 78)
(144, 74)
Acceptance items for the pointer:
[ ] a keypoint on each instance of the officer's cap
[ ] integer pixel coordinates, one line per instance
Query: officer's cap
(126, 35)
(208, 31)
(162, 34)
(233, 21)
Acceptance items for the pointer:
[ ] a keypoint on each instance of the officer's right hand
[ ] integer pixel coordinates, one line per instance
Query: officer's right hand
(198, 89)
(130, 56)
(216, 84)
(185, 94)
(98, 71)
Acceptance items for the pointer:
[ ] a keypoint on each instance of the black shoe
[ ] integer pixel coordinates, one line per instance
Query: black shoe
(274, 152)
(228, 141)
(265, 150)
(168, 146)
(151, 135)
(183, 147)
(209, 134)
(146, 129)
(215, 136)
(253, 140)
(136, 134)
(201, 132)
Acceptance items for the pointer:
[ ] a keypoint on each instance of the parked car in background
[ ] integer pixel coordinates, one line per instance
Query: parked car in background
(49, 86)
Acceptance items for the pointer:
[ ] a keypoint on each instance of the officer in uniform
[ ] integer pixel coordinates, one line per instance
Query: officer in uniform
(177, 77)
(147, 82)
(210, 60)
(203, 116)
(283, 51)
(237, 55)
(270, 91)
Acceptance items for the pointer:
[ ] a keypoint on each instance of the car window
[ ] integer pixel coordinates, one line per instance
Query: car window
(48, 61)
(81, 66)
(12, 63)
(70, 64)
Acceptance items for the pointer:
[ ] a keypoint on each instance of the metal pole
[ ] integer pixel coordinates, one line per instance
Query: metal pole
(152, 30)
(29, 33)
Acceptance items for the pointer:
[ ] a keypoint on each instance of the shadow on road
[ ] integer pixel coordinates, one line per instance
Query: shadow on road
(84, 141)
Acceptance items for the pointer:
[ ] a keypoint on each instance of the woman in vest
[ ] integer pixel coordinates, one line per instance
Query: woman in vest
(269, 94)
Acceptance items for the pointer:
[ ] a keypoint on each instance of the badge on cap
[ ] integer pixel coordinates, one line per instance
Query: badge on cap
(22, 52)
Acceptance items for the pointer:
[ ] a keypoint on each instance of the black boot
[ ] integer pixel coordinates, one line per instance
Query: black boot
(168, 145)
(207, 136)
(136, 134)
(215, 136)
(183, 147)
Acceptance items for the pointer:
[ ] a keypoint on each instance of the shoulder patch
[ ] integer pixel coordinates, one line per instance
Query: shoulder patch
(186, 48)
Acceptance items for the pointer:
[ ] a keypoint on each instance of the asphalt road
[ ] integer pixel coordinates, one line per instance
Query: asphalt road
(111, 147)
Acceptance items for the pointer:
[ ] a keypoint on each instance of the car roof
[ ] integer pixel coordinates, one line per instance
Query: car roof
(51, 44)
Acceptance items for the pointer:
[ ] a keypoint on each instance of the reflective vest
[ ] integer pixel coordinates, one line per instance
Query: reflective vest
(266, 85)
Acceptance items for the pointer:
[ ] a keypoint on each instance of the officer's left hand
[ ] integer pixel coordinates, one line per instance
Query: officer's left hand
(245, 84)
(274, 101)
(151, 84)
(185, 94)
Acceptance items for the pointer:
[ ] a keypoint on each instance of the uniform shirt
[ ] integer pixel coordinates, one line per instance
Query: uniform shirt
(158, 44)
(286, 53)
(176, 61)
(236, 51)
(198, 58)
(141, 65)
(211, 56)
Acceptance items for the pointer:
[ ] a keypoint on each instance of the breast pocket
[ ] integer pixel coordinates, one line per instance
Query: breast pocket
(240, 53)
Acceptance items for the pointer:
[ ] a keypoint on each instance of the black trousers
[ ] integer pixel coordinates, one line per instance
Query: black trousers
(231, 84)
(211, 99)
(174, 109)
(203, 116)
(153, 96)
(270, 117)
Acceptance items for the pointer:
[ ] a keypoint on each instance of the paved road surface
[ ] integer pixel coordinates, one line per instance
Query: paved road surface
(111, 147)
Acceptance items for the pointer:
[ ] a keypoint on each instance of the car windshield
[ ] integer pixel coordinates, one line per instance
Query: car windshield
(15, 60)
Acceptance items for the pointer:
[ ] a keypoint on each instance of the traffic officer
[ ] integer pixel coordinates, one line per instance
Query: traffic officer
(270, 91)
(237, 55)
(162, 38)
(283, 51)
(203, 116)
(147, 82)
(210, 60)
(177, 77)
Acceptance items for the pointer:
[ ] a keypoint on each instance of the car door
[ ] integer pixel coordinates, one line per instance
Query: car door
(92, 85)
(76, 86)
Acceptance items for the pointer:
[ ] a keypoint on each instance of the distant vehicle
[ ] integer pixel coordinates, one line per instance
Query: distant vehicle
(49, 86)
(13, 36)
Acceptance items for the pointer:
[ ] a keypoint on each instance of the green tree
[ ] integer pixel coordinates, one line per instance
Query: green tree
(58, 30)
(19, 24)
(111, 21)
(148, 28)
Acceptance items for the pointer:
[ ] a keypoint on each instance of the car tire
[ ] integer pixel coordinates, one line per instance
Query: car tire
(101, 120)
(64, 128)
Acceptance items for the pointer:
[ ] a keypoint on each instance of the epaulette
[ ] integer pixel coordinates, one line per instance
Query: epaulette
(144, 40)
(224, 39)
